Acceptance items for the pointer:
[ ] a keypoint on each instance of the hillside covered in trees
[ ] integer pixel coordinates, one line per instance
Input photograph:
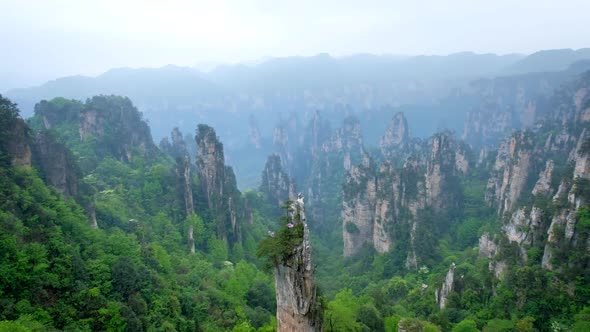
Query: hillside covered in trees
(103, 229)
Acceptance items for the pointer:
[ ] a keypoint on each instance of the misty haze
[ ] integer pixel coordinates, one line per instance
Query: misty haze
(295, 166)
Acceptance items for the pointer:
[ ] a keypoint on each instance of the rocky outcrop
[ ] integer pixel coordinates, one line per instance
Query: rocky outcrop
(347, 141)
(358, 208)
(561, 234)
(383, 205)
(18, 143)
(441, 294)
(287, 141)
(218, 183)
(440, 178)
(487, 125)
(56, 164)
(543, 185)
(536, 222)
(116, 123)
(254, 133)
(113, 125)
(280, 139)
(176, 147)
(336, 155)
(487, 246)
(210, 164)
(395, 140)
(298, 308)
(522, 226)
(276, 184)
(510, 173)
(508, 104)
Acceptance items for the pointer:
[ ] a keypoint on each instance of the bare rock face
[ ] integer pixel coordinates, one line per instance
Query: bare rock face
(358, 210)
(511, 170)
(506, 104)
(339, 151)
(486, 125)
(440, 172)
(218, 183)
(56, 164)
(565, 221)
(347, 141)
(395, 140)
(543, 185)
(210, 164)
(116, 122)
(178, 150)
(442, 293)
(178, 145)
(183, 173)
(380, 201)
(254, 133)
(297, 305)
(582, 157)
(19, 145)
(276, 184)
(282, 146)
(522, 226)
(487, 247)
(317, 133)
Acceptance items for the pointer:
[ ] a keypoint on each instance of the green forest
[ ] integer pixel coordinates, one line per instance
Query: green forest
(134, 270)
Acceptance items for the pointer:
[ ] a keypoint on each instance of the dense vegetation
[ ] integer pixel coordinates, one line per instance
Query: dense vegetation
(135, 271)
(132, 273)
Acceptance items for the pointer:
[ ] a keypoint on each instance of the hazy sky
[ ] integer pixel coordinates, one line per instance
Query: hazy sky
(63, 37)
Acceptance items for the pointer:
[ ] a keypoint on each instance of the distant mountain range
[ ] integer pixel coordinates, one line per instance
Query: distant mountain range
(313, 81)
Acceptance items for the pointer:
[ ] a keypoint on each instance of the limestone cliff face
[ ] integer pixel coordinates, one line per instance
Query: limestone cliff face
(52, 159)
(218, 183)
(18, 145)
(178, 150)
(298, 309)
(442, 293)
(511, 171)
(210, 164)
(117, 123)
(347, 141)
(507, 104)
(338, 152)
(358, 208)
(276, 184)
(254, 133)
(396, 139)
(526, 171)
(56, 164)
(382, 204)
(113, 123)
(486, 125)
(318, 132)
(281, 143)
(440, 177)
(563, 233)
(287, 141)
(543, 184)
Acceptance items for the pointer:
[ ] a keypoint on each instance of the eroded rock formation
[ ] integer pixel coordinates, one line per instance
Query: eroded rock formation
(298, 309)
(396, 139)
(218, 183)
(276, 184)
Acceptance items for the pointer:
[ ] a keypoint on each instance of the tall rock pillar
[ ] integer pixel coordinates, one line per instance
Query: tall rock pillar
(298, 309)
